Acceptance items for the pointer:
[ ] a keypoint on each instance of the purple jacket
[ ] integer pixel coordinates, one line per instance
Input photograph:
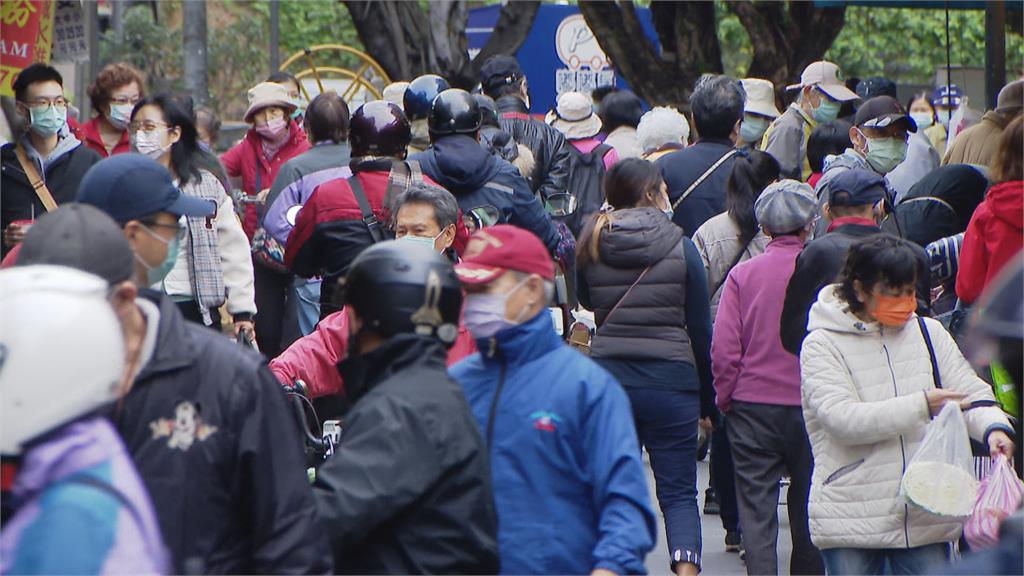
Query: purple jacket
(297, 180)
(747, 357)
(83, 509)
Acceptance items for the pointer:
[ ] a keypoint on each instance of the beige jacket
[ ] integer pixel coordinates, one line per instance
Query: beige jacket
(977, 144)
(863, 395)
(718, 241)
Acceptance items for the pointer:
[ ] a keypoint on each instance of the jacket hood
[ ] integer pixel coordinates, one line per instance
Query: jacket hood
(1006, 201)
(831, 312)
(463, 165)
(638, 237)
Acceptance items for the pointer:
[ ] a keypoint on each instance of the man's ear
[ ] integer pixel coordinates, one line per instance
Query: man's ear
(122, 297)
(131, 231)
(826, 211)
(448, 235)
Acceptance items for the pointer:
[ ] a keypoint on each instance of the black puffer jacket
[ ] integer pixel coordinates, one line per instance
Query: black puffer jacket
(939, 205)
(408, 490)
(214, 441)
(549, 147)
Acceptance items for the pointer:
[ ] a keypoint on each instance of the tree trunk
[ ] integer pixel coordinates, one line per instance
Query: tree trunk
(194, 48)
(686, 31)
(408, 42)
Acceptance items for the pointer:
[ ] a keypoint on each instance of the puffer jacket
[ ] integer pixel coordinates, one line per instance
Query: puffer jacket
(994, 236)
(718, 241)
(247, 161)
(551, 172)
(863, 396)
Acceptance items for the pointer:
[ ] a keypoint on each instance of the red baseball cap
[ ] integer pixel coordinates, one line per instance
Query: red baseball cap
(494, 250)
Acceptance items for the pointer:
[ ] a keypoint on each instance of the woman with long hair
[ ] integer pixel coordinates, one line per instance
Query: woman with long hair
(214, 259)
(644, 280)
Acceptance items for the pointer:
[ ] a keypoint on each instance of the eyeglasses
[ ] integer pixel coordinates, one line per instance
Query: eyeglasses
(121, 101)
(46, 103)
(147, 126)
(180, 228)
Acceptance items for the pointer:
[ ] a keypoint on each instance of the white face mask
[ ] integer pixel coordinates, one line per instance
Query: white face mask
(421, 240)
(944, 114)
(484, 314)
(149, 144)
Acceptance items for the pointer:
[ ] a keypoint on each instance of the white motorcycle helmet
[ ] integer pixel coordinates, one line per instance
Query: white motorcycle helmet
(61, 351)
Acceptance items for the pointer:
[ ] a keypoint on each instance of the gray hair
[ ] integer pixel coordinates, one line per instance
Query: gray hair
(660, 126)
(446, 209)
(717, 105)
(549, 286)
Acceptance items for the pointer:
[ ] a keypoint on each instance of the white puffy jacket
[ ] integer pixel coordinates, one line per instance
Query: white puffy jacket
(863, 392)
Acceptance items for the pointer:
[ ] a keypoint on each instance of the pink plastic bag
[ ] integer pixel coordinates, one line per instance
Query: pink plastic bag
(999, 496)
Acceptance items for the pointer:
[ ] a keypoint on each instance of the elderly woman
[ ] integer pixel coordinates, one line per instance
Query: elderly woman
(873, 374)
(662, 130)
(118, 87)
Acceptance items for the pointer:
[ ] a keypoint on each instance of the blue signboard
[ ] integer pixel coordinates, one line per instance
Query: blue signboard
(559, 55)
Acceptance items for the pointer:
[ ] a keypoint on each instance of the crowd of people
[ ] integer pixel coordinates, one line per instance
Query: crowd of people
(503, 314)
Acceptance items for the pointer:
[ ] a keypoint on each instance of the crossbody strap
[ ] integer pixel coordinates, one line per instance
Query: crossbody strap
(369, 219)
(703, 177)
(42, 192)
(936, 377)
(732, 265)
(626, 295)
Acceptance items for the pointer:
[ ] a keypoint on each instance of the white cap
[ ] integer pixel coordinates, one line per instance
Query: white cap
(760, 97)
(574, 116)
(826, 77)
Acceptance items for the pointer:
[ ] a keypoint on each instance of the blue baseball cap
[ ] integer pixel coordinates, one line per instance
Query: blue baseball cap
(950, 95)
(856, 187)
(134, 187)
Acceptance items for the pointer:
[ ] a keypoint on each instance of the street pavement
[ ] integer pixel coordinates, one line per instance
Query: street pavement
(716, 561)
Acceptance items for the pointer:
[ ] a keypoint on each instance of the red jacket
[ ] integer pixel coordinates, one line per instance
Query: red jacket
(89, 134)
(314, 359)
(994, 236)
(245, 158)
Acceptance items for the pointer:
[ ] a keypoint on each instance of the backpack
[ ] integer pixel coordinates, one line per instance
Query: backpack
(586, 171)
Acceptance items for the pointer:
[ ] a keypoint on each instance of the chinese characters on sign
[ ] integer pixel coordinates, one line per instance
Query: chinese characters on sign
(26, 34)
(69, 41)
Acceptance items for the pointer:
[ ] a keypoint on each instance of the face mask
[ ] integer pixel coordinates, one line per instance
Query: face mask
(149, 144)
(300, 108)
(119, 115)
(420, 240)
(484, 314)
(48, 121)
(922, 119)
(894, 311)
(272, 129)
(944, 115)
(827, 111)
(753, 128)
(885, 154)
(156, 274)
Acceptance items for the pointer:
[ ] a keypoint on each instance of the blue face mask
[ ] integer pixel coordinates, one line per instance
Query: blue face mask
(156, 274)
(753, 128)
(49, 120)
(827, 110)
(120, 115)
(421, 240)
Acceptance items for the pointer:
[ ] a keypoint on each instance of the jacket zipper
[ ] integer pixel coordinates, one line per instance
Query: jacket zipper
(903, 450)
(843, 471)
(494, 404)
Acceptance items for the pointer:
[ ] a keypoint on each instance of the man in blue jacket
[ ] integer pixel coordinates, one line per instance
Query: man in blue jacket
(478, 180)
(568, 482)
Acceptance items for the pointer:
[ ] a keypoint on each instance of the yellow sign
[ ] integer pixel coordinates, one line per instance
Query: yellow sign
(26, 36)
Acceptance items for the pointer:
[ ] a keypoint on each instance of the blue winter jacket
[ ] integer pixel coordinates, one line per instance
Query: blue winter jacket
(477, 179)
(568, 482)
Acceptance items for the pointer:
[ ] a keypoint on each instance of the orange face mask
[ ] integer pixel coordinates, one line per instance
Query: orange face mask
(894, 311)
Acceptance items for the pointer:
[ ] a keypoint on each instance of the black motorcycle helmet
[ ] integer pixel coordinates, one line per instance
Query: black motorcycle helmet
(488, 110)
(401, 289)
(420, 95)
(454, 112)
(379, 128)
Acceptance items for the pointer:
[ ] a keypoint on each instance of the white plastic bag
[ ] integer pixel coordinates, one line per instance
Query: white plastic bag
(940, 478)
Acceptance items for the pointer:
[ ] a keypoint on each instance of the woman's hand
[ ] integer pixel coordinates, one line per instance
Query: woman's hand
(999, 443)
(938, 397)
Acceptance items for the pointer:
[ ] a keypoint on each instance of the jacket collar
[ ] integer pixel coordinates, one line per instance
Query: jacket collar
(361, 373)
(521, 343)
(785, 243)
(175, 346)
(511, 103)
(68, 449)
(89, 133)
(847, 223)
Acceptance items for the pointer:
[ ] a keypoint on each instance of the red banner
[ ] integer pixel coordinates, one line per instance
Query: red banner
(26, 34)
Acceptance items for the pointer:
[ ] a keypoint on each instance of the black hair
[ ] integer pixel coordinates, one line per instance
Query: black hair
(185, 153)
(880, 259)
(624, 185)
(505, 89)
(280, 77)
(717, 105)
(827, 139)
(920, 96)
(622, 108)
(750, 175)
(35, 73)
(327, 118)
(597, 95)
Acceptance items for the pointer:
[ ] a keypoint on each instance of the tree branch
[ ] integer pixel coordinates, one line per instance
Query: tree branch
(514, 23)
